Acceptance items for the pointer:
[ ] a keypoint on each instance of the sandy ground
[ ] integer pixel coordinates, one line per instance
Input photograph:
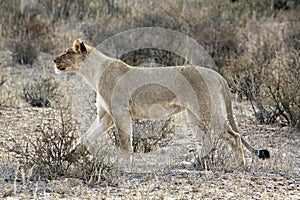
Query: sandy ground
(157, 175)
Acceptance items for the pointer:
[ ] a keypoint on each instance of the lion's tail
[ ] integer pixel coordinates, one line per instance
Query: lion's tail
(261, 153)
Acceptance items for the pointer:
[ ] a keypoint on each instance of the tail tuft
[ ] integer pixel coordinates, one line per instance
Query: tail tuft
(263, 153)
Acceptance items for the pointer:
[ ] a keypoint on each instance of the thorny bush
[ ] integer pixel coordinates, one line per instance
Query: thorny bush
(47, 152)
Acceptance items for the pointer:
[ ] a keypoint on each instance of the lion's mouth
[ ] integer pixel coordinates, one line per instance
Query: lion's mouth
(60, 68)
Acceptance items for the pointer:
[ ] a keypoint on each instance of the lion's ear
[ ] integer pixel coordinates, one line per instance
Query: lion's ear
(79, 46)
(82, 47)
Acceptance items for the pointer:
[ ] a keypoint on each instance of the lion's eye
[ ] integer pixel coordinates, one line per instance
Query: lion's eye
(69, 52)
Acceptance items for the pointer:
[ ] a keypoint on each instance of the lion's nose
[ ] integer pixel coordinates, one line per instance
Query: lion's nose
(54, 60)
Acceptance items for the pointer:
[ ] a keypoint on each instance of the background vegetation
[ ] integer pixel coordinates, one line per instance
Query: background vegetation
(254, 43)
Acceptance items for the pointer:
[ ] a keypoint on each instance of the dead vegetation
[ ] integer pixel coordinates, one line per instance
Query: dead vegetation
(41, 92)
(255, 45)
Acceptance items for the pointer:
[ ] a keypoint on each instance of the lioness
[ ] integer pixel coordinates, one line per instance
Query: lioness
(124, 92)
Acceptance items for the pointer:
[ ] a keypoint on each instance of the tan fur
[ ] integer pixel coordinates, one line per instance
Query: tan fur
(124, 92)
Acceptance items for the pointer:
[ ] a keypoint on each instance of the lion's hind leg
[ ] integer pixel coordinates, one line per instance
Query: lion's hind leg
(123, 124)
(202, 136)
(236, 144)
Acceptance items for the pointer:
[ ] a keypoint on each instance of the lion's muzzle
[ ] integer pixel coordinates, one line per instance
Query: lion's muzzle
(56, 61)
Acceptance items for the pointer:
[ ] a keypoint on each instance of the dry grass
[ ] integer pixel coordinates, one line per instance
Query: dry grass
(160, 173)
(34, 159)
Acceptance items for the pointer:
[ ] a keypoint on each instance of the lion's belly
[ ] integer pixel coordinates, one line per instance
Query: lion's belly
(154, 111)
(153, 101)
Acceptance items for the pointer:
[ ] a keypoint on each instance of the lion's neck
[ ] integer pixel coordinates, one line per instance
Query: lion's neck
(93, 67)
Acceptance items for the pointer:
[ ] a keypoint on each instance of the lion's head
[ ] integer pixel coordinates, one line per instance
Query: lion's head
(70, 60)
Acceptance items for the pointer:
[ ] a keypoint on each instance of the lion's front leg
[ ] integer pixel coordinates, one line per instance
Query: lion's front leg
(92, 139)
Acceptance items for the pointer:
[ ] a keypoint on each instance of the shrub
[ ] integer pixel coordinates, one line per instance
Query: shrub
(47, 152)
(219, 38)
(246, 80)
(283, 89)
(150, 135)
(41, 92)
(25, 52)
(34, 36)
(267, 74)
(48, 149)
(27, 34)
(150, 57)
